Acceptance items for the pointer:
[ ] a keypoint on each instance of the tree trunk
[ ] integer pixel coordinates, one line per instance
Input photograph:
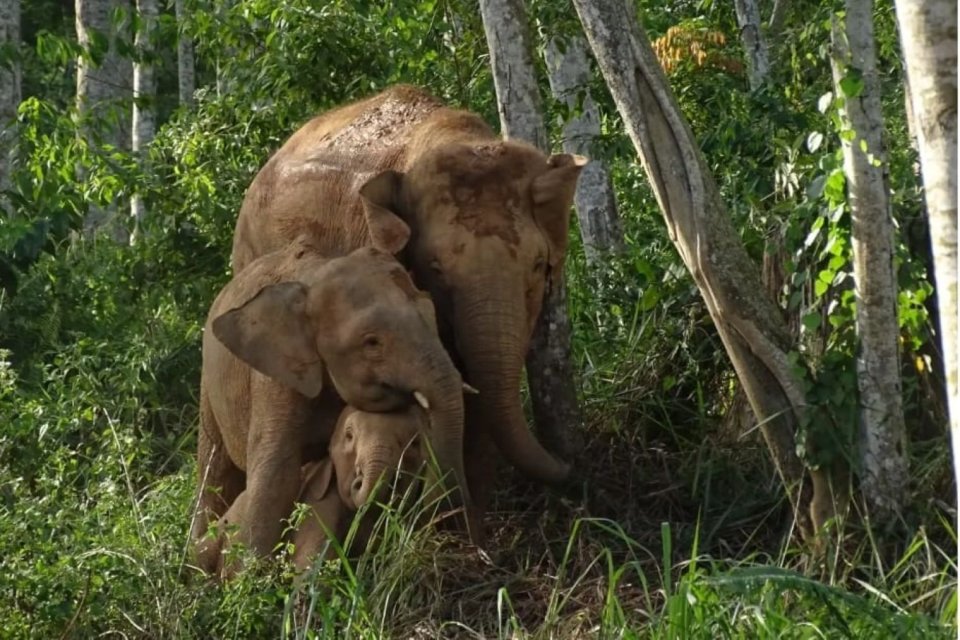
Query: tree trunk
(881, 429)
(9, 92)
(553, 393)
(101, 90)
(754, 44)
(747, 320)
(186, 76)
(569, 73)
(778, 16)
(518, 97)
(144, 94)
(928, 37)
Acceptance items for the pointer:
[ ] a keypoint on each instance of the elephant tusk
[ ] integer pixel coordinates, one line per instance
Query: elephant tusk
(421, 400)
(470, 389)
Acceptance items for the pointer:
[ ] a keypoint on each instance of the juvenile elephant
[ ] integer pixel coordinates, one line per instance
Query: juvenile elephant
(488, 220)
(287, 342)
(365, 447)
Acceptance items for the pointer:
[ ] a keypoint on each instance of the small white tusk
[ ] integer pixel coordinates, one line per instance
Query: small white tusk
(469, 389)
(421, 400)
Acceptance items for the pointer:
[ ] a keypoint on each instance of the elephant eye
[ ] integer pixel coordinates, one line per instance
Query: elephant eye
(371, 341)
(435, 266)
(349, 435)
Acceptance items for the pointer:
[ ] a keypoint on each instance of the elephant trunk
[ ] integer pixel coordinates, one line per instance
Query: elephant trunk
(441, 390)
(492, 347)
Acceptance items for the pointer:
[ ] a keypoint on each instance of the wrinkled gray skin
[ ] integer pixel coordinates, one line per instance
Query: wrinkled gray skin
(487, 219)
(287, 342)
(365, 448)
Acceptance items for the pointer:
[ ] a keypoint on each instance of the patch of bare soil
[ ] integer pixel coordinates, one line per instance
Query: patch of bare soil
(550, 553)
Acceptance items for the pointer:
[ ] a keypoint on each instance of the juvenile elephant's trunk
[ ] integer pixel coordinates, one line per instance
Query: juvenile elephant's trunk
(441, 389)
(492, 342)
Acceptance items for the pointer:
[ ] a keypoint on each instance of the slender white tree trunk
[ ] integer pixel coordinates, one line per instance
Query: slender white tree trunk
(882, 431)
(9, 91)
(101, 89)
(550, 375)
(928, 37)
(568, 67)
(778, 16)
(747, 320)
(518, 97)
(754, 43)
(186, 76)
(144, 94)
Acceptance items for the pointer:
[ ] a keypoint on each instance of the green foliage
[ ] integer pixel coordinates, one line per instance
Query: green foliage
(100, 346)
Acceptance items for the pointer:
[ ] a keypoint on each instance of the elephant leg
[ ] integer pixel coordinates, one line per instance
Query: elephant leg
(219, 480)
(273, 482)
(274, 448)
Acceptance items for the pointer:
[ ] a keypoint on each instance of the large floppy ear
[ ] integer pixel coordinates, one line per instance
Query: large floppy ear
(387, 230)
(271, 333)
(317, 477)
(552, 197)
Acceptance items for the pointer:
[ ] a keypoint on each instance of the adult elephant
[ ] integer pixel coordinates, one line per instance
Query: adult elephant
(488, 222)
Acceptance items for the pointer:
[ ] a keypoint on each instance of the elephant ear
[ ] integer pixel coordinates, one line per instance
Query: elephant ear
(272, 333)
(387, 229)
(317, 478)
(552, 193)
(427, 311)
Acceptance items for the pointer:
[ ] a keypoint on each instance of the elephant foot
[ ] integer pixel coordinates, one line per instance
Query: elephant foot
(207, 553)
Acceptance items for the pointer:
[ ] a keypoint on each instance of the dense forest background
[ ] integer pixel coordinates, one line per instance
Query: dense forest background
(110, 258)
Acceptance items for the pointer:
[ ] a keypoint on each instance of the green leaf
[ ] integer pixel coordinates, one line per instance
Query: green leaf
(852, 83)
(835, 188)
(650, 299)
(811, 321)
(815, 188)
(814, 232)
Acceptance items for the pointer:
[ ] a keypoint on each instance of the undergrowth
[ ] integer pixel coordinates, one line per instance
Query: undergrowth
(676, 525)
(661, 539)
(674, 528)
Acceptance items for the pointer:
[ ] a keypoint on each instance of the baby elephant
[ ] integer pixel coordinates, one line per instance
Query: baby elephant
(365, 447)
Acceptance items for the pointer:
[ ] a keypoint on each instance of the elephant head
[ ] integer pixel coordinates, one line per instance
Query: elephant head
(488, 224)
(366, 446)
(358, 322)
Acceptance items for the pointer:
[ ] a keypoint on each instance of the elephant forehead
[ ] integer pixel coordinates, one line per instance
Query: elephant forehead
(485, 189)
(401, 423)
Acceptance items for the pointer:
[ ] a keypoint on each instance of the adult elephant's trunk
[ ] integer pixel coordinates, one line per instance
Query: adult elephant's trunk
(492, 342)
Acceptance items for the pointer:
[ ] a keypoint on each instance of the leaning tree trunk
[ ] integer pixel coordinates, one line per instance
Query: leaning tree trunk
(9, 91)
(101, 89)
(754, 43)
(144, 95)
(550, 375)
(568, 67)
(186, 76)
(882, 432)
(928, 37)
(747, 320)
